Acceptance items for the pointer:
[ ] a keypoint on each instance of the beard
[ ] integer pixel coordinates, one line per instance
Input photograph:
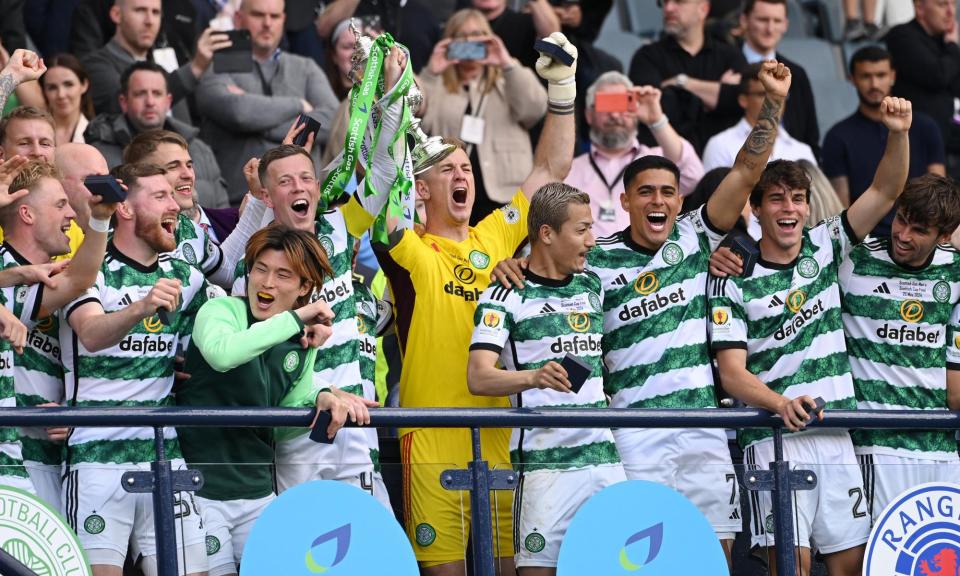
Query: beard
(613, 140)
(868, 103)
(152, 233)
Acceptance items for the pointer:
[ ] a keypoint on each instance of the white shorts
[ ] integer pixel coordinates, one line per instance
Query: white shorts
(830, 518)
(693, 461)
(47, 480)
(228, 524)
(886, 476)
(347, 460)
(107, 518)
(544, 504)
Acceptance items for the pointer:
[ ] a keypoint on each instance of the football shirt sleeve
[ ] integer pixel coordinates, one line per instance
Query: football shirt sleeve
(728, 319)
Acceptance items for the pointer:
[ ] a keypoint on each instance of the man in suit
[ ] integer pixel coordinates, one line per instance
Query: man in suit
(764, 22)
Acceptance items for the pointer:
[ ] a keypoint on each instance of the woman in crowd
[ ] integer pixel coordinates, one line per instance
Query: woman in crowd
(256, 351)
(66, 92)
(490, 102)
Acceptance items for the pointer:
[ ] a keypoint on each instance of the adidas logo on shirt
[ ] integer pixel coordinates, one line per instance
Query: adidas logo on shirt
(881, 289)
(126, 300)
(775, 301)
(547, 309)
(620, 280)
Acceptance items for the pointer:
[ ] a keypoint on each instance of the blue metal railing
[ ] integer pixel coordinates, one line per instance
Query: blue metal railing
(780, 478)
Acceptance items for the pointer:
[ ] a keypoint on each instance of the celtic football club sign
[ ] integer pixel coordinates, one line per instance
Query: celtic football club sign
(38, 537)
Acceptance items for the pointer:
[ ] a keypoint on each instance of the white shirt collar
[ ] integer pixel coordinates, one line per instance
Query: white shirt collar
(752, 56)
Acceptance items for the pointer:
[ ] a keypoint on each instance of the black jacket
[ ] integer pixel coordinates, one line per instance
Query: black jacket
(928, 74)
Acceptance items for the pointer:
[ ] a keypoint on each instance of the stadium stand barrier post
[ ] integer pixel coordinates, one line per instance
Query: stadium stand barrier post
(480, 480)
(162, 481)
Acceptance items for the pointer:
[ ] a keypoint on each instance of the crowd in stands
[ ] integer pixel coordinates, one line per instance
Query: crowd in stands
(224, 228)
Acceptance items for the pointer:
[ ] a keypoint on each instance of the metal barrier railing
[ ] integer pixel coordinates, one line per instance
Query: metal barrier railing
(479, 479)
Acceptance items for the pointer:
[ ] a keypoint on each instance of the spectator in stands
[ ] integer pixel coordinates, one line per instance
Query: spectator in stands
(852, 148)
(764, 23)
(581, 25)
(339, 54)
(75, 162)
(520, 30)
(411, 22)
(924, 52)
(491, 103)
(861, 16)
(698, 74)
(66, 90)
(247, 113)
(29, 132)
(721, 150)
(614, 145)
(138, 23)
(145, 102)
(93, 26)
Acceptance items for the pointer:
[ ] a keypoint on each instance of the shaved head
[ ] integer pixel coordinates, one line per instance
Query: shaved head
(77, 161)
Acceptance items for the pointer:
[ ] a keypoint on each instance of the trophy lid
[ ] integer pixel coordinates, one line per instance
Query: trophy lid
(361, 52)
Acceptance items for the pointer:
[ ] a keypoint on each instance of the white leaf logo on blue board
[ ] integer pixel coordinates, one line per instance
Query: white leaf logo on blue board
(639, 527)
(327, 527)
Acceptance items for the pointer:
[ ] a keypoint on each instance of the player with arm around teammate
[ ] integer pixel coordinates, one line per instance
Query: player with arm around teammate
(779, 341)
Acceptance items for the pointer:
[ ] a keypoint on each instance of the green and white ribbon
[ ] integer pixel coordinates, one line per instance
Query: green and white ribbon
(360, 144)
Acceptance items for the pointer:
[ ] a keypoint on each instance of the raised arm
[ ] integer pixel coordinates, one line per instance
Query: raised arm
(554, 154)
(23, 66)
(727, 202)
(867, 211)
(82, 272)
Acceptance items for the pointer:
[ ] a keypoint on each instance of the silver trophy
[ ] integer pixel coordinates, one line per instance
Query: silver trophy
(428, 149)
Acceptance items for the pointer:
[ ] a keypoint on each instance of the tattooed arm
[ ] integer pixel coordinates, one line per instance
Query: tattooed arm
(23, 66)
(727, 202)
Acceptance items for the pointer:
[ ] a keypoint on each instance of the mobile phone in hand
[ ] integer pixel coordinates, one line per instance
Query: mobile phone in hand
(319, 432)
(577, 371)
(106, 187)
(610, 102)
(313, 126)
(167, 317)
(237, 58)
(815, 412)
(554, 51)
(466, 50)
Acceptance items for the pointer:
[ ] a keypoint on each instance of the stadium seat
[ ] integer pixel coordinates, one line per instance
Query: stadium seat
(799, 23)
(615, 41)
(835, 98)
(818, 57)
(643, 17)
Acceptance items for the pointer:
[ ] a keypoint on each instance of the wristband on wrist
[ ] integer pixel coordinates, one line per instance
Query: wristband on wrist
(98, 225)
(663, 121)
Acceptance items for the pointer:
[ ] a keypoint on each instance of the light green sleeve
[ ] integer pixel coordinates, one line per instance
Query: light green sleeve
(226, 341)
(303, 394)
